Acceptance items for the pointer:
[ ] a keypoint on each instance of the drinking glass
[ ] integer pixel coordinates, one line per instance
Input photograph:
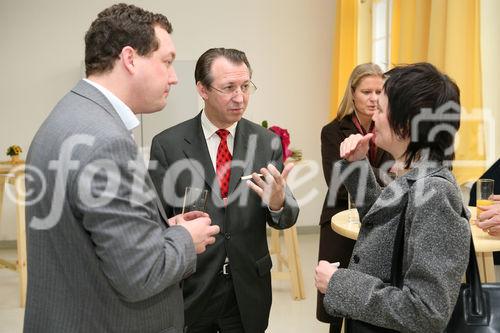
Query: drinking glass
(351, 205)
(484, 190)
(194, 199)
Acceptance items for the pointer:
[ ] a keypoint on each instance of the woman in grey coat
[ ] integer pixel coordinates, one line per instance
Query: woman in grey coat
(419, 114)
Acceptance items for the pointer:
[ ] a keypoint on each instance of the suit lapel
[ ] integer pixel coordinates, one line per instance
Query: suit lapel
(156, 199)
(195, 148)
(240, 150)
(88, 91)
(347, 127)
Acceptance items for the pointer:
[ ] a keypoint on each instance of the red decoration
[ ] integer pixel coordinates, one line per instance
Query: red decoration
(285, 140)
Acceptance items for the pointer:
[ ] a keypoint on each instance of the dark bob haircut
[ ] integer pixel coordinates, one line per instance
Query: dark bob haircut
(424, 105)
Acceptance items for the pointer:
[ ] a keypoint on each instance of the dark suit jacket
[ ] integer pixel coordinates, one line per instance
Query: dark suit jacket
(110, 267)
(332, 136)
(243, 222)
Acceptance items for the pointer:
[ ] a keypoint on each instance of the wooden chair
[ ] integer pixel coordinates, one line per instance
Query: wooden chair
(290, 260)
(14, 174)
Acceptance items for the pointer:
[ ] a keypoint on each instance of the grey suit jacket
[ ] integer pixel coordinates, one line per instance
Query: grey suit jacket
(243, 222)
(436, 251)
(100, 258)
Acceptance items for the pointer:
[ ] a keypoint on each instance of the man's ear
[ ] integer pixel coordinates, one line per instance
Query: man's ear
(128, 58)
(202, 90)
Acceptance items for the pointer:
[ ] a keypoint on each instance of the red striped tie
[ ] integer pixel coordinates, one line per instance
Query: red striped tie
(223, 164)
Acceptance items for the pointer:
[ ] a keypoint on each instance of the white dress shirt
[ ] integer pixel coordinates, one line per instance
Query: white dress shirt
(213, 139)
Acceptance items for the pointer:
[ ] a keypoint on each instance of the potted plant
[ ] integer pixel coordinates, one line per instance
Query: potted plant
(14, 151)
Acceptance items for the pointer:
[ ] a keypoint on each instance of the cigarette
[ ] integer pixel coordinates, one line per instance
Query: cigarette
(250, 176)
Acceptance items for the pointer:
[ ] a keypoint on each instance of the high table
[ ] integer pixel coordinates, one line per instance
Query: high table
(14, 174)
(483, 242)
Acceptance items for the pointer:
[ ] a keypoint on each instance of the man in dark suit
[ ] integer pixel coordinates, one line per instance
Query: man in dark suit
(231, 290)
(100, 257)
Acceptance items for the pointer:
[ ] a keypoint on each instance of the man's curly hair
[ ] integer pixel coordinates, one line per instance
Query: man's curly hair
(116, 27)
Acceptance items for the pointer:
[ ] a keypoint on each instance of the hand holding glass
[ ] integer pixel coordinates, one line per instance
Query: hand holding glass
(484, 191)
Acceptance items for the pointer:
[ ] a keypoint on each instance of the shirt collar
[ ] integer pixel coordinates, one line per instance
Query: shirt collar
(209, 128)
(128, 118)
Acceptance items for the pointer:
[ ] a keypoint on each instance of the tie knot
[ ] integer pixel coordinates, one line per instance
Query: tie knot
(222, 133)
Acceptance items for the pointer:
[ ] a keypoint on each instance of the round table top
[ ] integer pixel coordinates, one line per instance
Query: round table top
(483, 242)
(342, 226)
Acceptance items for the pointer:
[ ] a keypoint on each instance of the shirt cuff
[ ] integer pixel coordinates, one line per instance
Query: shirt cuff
(275, 214)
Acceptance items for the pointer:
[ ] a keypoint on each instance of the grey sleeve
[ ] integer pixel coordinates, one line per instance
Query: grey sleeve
(360, 181)
(138, 254)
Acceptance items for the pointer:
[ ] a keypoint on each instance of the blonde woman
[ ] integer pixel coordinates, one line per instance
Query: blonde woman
(354, 116)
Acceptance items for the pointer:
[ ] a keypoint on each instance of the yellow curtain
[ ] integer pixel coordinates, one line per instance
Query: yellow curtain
(344, 49)
(446, 34)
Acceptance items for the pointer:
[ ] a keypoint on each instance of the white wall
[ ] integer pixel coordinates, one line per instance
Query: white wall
(288, 42)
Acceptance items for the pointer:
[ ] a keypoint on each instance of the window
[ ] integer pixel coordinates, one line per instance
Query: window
(381, 29)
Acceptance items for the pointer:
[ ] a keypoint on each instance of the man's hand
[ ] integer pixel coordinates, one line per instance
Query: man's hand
(177, 219)
(198, 224)
(489, 219)
(355, 147)
(323, 274)
(272, 188)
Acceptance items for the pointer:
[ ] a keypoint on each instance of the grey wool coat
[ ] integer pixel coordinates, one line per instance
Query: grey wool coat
(436, 249)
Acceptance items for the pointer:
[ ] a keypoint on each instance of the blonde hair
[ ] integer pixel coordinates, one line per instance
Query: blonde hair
(358, 73)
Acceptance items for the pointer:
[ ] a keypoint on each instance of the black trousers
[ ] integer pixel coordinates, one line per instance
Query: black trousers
(222, 313)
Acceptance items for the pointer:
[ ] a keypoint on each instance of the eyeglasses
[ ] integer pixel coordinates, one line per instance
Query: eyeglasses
(246, 89)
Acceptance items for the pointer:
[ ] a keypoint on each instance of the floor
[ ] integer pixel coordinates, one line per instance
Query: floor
(287, 315)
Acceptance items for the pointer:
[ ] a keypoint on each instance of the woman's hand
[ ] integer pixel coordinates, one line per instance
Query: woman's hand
(355, 147)
(323, 274)
(489, 219)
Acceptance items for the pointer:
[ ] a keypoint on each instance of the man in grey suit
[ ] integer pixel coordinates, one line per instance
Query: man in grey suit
(231, 290)
(100, 256)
